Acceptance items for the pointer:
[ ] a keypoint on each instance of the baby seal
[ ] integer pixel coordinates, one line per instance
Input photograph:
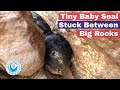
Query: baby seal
(58, 51)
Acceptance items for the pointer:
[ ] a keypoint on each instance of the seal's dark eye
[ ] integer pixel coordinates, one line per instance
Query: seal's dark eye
(54, 54)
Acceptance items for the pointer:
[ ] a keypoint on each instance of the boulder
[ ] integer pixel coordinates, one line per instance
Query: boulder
(21, 39)
(94, 58)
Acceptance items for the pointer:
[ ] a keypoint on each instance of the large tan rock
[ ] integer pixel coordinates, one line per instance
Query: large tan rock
(22, 40)
(92, 60)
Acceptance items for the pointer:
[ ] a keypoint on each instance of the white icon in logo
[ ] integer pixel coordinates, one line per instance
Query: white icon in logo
(13, 67)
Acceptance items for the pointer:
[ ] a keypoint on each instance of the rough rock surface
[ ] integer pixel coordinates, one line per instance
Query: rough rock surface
(93, 61)
(22, 40)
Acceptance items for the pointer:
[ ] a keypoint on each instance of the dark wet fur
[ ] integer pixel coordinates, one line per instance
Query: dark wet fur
(57, 47)
(41, 23)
